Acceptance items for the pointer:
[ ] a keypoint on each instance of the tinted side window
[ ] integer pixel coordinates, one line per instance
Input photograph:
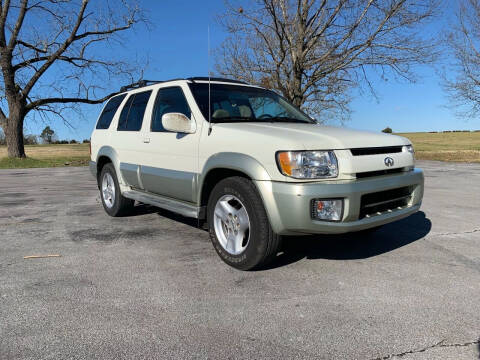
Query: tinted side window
(109, 111)
(131, 117)
(169, 100)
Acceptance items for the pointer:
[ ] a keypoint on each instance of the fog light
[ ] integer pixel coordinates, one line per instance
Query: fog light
(330, 210)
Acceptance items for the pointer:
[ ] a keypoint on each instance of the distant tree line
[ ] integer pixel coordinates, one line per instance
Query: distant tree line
(388, 130)
(46, 137)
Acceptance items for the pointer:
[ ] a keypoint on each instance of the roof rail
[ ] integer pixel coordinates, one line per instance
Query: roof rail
(139, 84)
(142, 83)
(206, 78)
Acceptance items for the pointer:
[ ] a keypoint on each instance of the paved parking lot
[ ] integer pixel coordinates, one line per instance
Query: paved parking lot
(151, 286)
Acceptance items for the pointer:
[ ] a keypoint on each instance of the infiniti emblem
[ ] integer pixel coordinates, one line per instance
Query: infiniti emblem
(388, 161)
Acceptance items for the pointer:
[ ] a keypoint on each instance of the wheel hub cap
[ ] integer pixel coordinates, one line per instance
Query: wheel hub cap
(108, 190)
(232, 224)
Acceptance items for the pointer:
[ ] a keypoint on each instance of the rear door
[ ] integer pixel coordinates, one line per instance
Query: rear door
(169, 161)
(128, 139)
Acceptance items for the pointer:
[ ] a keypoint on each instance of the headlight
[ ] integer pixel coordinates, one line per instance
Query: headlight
(409, 148)
(308, 164)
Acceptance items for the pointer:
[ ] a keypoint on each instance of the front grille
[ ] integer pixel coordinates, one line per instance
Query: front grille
(384, 201)
(365, 174)
(376, 150)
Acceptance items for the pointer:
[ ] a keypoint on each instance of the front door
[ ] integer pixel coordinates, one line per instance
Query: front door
(169, 161)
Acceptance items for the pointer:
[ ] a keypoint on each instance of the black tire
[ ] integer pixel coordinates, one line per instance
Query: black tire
(263, 244)
(121, 205)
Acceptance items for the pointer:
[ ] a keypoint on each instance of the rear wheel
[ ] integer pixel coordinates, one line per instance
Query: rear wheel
(113, 201)
(239, 227)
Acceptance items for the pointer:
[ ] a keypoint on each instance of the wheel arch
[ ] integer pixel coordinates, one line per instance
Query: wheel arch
(106, 155)
(223, 165)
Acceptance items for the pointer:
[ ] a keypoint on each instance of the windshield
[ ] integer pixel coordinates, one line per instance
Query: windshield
(233, 103)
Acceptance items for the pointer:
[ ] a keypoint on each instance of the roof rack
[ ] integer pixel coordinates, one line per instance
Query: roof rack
(139, 84)
(142, 83)
(206, 78)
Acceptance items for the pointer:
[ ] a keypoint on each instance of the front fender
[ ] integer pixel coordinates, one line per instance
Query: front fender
(233, 161)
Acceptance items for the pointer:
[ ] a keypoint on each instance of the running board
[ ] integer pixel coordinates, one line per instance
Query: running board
(176, 206)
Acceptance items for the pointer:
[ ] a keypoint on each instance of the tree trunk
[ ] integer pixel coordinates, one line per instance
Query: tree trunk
(297, 98)
(14, 133)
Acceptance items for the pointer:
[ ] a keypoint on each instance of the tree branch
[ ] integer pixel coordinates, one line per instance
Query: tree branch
(69, 59)
(55, 55)
(59, 100)
(18, 25)
(3, 20)
(3, 118)
(30, 46)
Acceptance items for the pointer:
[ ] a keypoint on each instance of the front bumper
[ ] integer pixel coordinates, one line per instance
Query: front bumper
(289, 204)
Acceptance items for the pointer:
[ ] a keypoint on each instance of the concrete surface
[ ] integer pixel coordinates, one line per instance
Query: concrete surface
(151, 286)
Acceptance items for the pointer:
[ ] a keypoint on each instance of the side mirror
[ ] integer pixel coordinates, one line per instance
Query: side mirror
(179, 123)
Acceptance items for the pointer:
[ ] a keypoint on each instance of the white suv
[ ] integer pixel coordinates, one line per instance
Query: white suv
(248, 162)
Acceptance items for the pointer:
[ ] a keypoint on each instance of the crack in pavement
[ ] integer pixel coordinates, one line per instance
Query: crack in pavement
(440, 344)
(455, 233)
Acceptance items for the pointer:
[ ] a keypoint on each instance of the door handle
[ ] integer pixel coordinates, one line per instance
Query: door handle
(146, 140)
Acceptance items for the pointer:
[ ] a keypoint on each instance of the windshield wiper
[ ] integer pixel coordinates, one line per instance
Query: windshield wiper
(287, 119)
(234, 119)
(229, 119)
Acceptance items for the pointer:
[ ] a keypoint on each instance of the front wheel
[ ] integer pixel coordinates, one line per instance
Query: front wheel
(239, 227)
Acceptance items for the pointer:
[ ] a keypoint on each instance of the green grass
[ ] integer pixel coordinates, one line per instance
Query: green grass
(8, 163)
(42, 156)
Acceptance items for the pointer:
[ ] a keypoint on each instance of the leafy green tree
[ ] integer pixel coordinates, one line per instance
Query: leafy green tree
(47, 135)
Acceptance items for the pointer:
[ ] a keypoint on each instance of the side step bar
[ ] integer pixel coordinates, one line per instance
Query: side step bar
(176, 206)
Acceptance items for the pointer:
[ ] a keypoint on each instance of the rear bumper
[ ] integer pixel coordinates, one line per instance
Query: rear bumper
(289, 204)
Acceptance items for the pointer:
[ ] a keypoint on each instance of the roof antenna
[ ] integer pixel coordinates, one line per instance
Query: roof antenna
(209, 89)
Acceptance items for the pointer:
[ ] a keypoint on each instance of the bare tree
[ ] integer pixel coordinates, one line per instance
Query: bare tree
(53, 54)
(315, 51)
(462, 81)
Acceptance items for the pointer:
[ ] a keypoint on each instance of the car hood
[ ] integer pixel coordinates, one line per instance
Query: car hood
(296, 136)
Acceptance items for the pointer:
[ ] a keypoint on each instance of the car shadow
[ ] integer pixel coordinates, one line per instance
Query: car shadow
(353, 246)
(144, 209)
(478, 347)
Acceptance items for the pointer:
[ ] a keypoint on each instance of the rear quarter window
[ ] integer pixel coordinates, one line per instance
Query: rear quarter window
(109, 112)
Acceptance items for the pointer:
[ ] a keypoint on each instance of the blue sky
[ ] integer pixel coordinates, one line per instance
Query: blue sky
(176, 45)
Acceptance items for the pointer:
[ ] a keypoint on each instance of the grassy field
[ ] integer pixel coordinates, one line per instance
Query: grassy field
(458, 146)
(461, 146)
(47, 156)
